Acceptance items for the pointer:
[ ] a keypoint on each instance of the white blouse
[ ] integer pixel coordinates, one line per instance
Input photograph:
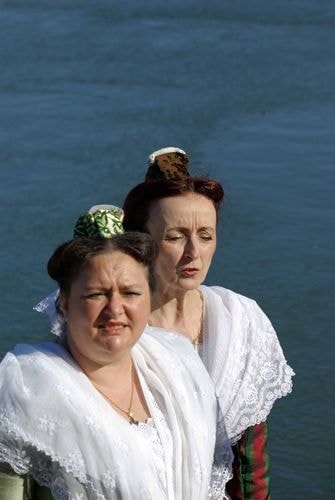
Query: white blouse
(161, 442)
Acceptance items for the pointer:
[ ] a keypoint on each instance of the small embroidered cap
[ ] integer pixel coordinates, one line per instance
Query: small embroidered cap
(167, 164)
(100, 221)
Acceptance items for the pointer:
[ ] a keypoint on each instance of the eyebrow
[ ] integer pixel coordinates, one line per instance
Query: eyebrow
(182, 228)
(103, 288)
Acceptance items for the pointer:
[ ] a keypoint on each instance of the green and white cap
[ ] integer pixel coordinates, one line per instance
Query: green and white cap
(100, 221)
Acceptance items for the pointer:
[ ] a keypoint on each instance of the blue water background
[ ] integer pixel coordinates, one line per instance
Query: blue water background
(89, 89)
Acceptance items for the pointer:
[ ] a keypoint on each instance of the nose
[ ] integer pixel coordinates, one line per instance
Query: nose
(192, 248)
(114, 305)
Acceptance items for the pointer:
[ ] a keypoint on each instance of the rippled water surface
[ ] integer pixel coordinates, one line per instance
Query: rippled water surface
(89, 89)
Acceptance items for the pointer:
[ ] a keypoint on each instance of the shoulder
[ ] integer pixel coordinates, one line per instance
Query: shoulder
(169, 359)
(234, 303)
(171, 349)
(227, 296)
(26, 349)
(245, 358)
(27, 361)
(24, 352)
(166, 338)
(169, 345)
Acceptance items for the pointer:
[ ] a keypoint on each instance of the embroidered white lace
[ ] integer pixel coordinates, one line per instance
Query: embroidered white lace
(161, 443)
(46, 401)
(243, 356)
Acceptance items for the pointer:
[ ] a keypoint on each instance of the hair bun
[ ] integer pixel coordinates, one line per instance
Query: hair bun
(167, 164)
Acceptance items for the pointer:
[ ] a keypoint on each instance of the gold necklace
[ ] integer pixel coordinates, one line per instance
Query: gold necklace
(128, 412)
(199, 338)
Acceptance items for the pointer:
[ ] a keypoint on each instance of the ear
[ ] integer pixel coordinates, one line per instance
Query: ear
(62, 304)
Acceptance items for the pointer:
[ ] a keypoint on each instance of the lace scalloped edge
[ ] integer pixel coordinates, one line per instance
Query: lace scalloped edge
(43, 476)
(258, 420)
(79, 475)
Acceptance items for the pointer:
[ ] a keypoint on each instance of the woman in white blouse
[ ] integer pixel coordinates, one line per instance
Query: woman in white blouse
(106, 412)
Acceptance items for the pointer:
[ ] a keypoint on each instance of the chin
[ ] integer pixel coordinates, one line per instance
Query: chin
(114, 345)
(190, 284)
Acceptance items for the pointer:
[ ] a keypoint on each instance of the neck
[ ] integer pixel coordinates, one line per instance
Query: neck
(181, 312)
(117, 372)
(102, 373)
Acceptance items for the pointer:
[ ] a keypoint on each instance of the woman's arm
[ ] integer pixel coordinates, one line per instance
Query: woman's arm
(251, 466)
(15, 487)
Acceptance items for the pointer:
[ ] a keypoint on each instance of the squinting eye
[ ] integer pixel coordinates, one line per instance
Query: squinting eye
(95, 295)
(173, 238)
(205, 236)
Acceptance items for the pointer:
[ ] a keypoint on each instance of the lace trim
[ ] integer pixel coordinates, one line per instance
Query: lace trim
(268, 378)
(244, 358)
(48, 306)
(149, 432)
(157, 433)
(43, 471)
(32, 417)
(64, 473)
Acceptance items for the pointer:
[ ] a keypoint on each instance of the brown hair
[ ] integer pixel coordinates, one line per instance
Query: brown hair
(69, 258)
(138, 201)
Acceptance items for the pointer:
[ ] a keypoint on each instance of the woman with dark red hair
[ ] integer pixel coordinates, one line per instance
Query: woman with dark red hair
(232, 335)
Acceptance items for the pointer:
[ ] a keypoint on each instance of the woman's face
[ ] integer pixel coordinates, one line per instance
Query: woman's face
(107, 308)
(185, 229)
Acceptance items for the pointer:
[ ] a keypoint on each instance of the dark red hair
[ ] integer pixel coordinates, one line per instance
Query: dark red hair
(138, 201)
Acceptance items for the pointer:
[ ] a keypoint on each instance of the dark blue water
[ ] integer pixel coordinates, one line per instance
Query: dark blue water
(89, 89)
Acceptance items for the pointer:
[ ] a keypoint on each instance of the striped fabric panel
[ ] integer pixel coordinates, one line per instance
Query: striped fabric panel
(251, 466)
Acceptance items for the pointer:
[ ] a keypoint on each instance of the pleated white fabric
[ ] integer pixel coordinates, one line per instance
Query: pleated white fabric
(56, 427)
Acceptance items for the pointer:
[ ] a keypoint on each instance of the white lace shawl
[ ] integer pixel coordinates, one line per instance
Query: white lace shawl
(56, 427)
(243, 356)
